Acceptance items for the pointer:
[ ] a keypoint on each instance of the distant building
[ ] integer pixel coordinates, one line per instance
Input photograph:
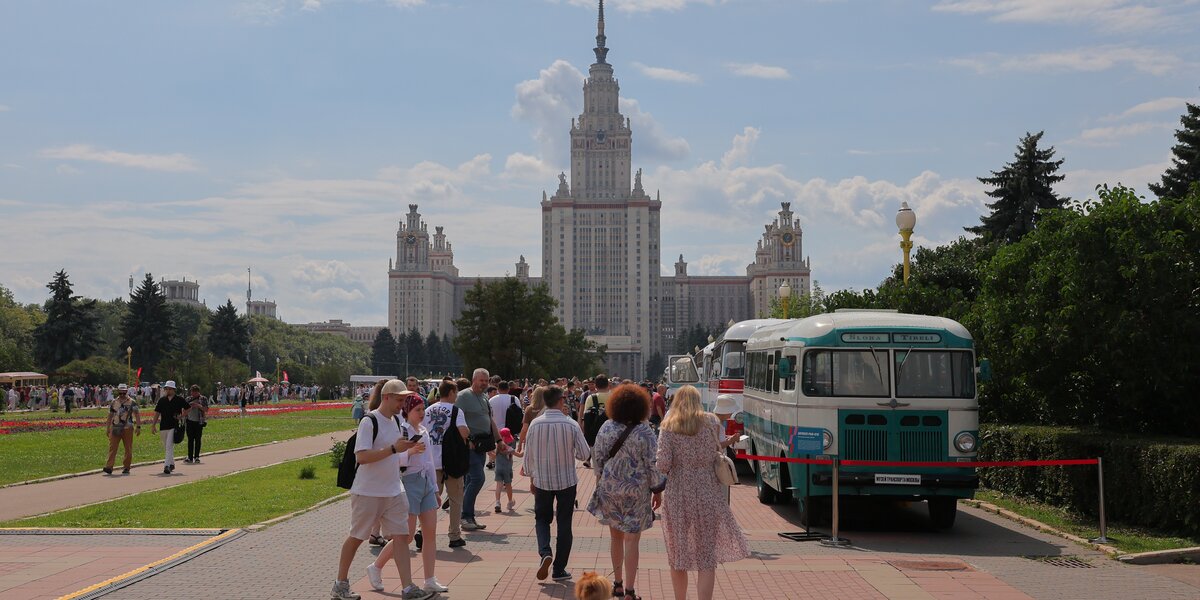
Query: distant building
(601, 251)
(181, 291)
(363, 334)
(265, 308)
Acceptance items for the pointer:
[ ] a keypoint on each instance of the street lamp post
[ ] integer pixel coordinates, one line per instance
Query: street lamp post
(278, 384)
(785, 294)
(129, 365)
(906, 220)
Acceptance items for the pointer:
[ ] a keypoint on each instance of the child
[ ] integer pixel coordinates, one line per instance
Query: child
(593, 586)
(504, 467)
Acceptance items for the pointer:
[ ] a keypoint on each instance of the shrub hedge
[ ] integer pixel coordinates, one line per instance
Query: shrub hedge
(1150, 481)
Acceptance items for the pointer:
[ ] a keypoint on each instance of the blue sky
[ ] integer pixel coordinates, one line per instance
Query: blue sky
(199, 138)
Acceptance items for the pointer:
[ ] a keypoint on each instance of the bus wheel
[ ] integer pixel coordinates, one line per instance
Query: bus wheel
(942, 512)
(766, 494)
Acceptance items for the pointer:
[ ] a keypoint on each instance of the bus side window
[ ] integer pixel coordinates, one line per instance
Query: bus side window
(790, 383)
(816, 376)
(775, 373)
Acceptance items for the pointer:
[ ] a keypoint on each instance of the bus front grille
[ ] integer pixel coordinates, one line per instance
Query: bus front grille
(865, 444)
(922, 445)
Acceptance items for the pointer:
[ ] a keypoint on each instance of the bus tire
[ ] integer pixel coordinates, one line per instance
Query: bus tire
(766, 494)
(942, 511)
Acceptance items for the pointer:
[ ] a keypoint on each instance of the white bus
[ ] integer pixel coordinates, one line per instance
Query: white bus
(871, 386)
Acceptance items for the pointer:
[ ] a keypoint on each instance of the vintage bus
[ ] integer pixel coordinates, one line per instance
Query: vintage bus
(871, 386)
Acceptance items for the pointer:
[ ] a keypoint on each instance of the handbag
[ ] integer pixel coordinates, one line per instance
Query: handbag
(179, 433)
(725, 470)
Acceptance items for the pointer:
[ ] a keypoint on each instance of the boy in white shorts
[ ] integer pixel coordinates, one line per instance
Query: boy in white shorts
(377, 495)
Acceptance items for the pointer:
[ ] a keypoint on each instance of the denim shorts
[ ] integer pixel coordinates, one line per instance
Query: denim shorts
(504, 469)
(422, 493)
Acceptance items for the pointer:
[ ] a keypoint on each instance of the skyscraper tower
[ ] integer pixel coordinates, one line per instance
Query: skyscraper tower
(600, 235)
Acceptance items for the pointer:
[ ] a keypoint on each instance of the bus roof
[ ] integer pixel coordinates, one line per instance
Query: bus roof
(818, 329)
(743, 330)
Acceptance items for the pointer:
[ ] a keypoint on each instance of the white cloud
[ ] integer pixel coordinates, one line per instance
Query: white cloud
(549, 102)
(526, 167)
(154, 162)
(1109, 15)
(758, 71)
(1101, 58)
(1081, 183)
(743, 144)
(665, 74)
(5, 108)
(65, 169)
(1108, 136)
(1173, 103)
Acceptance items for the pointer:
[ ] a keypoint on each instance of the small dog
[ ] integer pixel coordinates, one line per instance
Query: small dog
(593, 586)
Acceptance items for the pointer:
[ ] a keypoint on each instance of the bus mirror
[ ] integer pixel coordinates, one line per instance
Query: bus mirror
(785, 368)
(985, 370)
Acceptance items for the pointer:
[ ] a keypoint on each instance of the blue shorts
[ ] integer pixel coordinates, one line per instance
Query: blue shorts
(504, 469)
(422, 494)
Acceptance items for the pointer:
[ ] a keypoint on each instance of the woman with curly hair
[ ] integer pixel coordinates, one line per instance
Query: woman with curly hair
(699, 527)
(626, 479)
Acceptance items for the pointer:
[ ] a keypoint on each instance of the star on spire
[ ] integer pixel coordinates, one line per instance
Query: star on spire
(601, 51)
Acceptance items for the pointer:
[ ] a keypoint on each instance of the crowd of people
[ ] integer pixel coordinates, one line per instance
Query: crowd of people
(420, 447)
(85, 395)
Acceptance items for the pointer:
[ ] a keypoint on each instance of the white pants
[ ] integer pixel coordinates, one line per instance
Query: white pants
(168, 440)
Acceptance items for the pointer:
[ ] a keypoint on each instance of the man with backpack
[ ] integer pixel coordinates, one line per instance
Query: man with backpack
(376, 492)
(592, 414)
(449, 447)
(505, 408)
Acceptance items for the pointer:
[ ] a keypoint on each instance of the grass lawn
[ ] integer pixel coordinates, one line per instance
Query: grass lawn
(1126, 538)
(225, 502)
(25, 456)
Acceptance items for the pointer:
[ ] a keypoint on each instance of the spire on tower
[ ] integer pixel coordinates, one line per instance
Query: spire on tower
(601, 51)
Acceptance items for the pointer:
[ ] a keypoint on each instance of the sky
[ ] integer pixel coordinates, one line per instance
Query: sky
(197, 139)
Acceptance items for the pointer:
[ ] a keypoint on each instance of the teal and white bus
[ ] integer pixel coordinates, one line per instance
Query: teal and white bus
(871, 386)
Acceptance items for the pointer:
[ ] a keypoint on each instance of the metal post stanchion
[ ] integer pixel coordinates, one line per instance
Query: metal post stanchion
(834, 540)
(1103, 539)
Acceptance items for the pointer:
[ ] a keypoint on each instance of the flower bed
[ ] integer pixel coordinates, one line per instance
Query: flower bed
(7, 427)
(258, 410)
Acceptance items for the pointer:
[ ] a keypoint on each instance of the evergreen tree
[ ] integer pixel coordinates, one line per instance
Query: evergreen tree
(383, 353)
(453, 364)
(69, 331)
(1185, 167)
(655, 366)
(147, 328)
(413, 353)
(433, 355)
(1021, 189)
(228, 334)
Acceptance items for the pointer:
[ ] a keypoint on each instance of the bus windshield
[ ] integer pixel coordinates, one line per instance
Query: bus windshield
(934, 374)
(860, 373)
(733, 360)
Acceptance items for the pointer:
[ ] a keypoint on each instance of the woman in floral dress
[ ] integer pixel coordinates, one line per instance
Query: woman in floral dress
(624, 499)
(700, 529)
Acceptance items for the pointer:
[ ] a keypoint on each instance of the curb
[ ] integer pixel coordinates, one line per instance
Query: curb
(265, 524)
(106, 531)
(1040, 526)
(1160, 557)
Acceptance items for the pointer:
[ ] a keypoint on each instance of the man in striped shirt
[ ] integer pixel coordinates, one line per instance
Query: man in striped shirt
(552, 446)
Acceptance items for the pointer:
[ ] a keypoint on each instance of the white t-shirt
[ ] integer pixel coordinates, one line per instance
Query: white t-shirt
(500, 404)
(437, 417)
(382, 477)
(418, 463)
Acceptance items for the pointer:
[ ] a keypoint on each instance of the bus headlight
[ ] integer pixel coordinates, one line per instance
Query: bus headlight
(965, 442)
(826, 439)
(739, 419)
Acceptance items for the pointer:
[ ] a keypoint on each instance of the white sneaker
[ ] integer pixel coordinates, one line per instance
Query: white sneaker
(433, 585)
(375, 576)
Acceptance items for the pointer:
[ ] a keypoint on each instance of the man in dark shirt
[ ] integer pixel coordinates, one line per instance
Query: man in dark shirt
(168, 411)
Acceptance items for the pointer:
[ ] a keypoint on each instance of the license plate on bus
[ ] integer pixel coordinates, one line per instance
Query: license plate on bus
(888, 479)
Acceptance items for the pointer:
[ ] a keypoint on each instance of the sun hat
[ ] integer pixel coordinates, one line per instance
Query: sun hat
(506, 435)
(169, 384)
(122, 387)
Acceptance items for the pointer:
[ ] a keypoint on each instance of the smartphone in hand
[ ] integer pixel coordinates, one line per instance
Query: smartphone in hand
(414, 439)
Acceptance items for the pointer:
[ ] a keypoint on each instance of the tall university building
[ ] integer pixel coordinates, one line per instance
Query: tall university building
(601, 252)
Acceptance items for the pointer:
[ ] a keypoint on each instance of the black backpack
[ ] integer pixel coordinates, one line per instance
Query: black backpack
(594, 417)
(349, 466)
(514, 417)
(455, 455)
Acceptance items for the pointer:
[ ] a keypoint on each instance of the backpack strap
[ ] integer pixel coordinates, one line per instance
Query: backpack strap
(374, 428)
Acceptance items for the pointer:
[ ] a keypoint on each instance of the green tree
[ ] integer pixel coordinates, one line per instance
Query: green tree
(1185, 166)
(17, 324)
(434, 361)
(411, 353)
(271, 339)
(576, 356)
(110, 318)
(452, 362)
(655, 366)
(799, 307)
(383, 353)
(228, 334)
(187, 322)
(69, 331)
(147, 327)
(1021, 190)
(95, 370)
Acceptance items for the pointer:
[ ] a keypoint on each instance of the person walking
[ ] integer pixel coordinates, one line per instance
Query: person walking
(438, 419)
(420, 486)
(700, 530)
(505, 451)
(593, 414)
(167, 412)
(553, 445)
(194, 421)
(628, 487)
(536, 405)
(377, 495)
(124, 421)
(473, 403)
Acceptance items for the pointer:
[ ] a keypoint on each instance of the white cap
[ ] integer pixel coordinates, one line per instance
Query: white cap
(122, 387)
(726, 405)
(169, 384)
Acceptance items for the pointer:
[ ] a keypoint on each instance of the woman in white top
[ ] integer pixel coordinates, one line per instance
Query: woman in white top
(420, 485)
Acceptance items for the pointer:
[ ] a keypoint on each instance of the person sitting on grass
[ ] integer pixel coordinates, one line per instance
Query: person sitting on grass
(504, 467)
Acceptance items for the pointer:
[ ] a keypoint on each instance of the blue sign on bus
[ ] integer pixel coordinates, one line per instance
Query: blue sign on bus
(807, 440)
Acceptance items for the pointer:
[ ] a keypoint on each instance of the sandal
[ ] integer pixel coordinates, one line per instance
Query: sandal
(618, 589)
(630, 595)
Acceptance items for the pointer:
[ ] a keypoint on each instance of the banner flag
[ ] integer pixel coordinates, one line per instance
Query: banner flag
(285, 376)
